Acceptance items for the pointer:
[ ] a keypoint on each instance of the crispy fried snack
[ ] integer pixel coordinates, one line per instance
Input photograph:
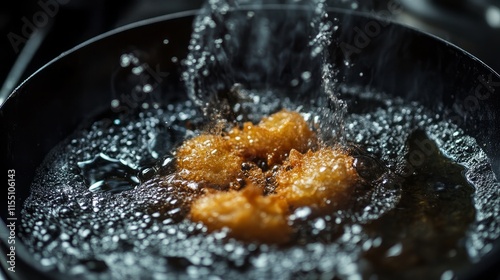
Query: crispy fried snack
(321, 179)
(247, 214)
(274, 137)
(293, 176)
(216, 160)
(209, 159)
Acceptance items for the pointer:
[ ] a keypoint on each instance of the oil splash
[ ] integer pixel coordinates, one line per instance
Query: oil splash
(235, 48)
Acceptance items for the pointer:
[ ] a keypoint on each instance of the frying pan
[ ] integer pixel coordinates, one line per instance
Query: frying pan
(80, 84)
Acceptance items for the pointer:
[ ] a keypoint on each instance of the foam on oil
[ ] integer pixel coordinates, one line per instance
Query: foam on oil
(420, 216)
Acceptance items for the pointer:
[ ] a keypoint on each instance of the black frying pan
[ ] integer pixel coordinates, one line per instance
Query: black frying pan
(398, 60)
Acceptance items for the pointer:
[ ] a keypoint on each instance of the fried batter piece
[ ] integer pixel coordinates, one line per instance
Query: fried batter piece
(274, 137)
(247, 214)
(209, 159)
(321, 179)
(216, 160)
(293, 176)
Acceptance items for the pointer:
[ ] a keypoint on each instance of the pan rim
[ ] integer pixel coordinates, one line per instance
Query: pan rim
(194, 12)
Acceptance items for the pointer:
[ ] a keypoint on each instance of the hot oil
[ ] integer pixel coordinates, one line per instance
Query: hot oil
(105, 205)
(418, 222)
(431, 219)
(106, 174)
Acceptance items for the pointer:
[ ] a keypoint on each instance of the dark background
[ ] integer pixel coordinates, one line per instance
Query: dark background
(70, 22)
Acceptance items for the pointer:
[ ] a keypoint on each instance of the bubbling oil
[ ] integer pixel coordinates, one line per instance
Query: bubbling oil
(419, 211)
(104, 204)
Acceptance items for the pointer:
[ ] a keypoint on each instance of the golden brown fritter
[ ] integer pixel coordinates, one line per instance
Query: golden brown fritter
(247, 214)
(321, 179)
(274, 137)
(208, 159)
(216, 160)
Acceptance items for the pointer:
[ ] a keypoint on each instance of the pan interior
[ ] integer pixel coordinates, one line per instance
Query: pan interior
(428, 208)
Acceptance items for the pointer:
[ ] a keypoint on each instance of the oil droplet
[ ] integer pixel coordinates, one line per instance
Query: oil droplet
(147, 88)
(447, 275)
(306, 75)
(395, 250)
(124, 60)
